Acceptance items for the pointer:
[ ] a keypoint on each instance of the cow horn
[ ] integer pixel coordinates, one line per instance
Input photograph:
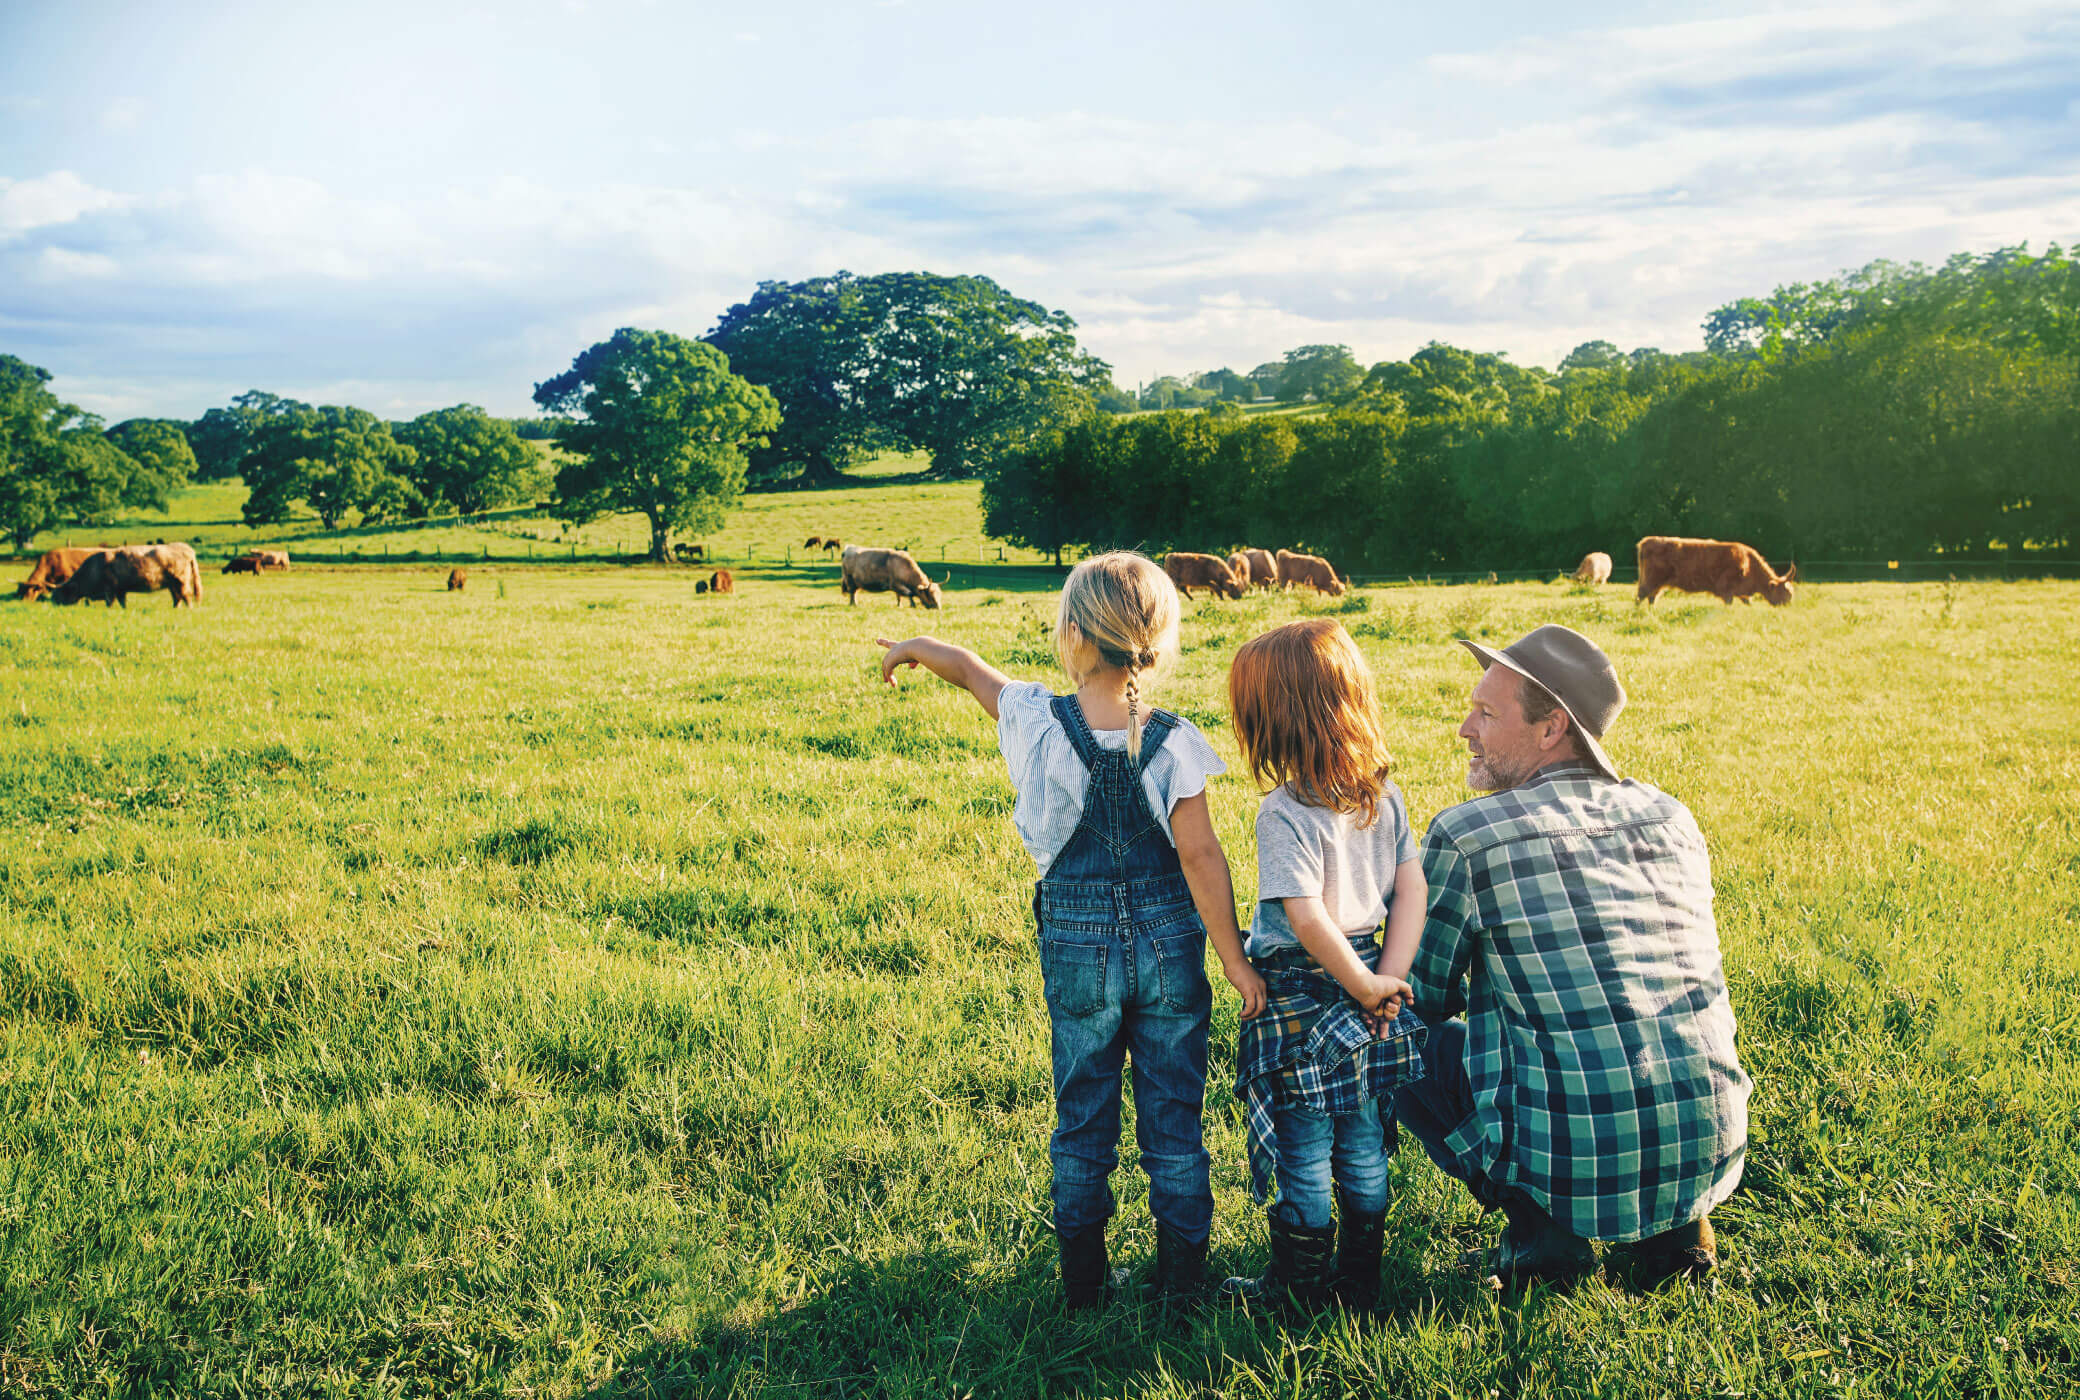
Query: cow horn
(1791, 575)
(948, 578)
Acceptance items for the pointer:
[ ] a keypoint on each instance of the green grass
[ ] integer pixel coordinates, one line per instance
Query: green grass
(886, 502)
(601, 990)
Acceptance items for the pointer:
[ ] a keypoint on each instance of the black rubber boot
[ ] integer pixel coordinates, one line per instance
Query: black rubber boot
(1086, 1281)
(1361, 1238)
(1301, 1260)
(1180, 1275)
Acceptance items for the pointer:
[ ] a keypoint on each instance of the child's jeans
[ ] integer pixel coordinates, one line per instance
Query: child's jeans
(1317, 1152)
(1112, 993)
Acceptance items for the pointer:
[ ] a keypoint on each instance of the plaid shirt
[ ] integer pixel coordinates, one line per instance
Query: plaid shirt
(1313, 1047)
(1571, 919)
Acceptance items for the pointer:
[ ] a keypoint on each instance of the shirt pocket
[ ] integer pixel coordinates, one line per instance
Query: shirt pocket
(1074, 976)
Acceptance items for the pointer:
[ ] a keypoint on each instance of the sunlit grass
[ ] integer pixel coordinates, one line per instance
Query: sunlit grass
(605, 989)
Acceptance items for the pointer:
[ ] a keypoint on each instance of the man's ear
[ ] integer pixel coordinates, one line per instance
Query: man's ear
(1558, 727)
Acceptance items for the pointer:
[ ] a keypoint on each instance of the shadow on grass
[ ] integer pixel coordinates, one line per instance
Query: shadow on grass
(931, 1324)
(1004, 578)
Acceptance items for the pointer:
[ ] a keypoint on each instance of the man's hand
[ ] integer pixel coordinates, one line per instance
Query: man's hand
(1248, 985)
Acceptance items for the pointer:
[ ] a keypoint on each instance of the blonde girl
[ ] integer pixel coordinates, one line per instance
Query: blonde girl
(1111, 804)
(1335, 859)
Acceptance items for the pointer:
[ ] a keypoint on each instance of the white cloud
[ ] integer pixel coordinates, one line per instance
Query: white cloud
(56, 198)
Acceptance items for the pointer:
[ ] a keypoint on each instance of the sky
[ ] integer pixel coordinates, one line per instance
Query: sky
(408, 205)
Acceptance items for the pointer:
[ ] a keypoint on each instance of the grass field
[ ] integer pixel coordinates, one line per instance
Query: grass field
(580, 987)
(886, 502)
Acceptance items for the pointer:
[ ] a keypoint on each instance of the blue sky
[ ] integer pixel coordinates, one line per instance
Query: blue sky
(404, 206)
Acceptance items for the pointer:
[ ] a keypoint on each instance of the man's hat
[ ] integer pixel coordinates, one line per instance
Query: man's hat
(1575, 672)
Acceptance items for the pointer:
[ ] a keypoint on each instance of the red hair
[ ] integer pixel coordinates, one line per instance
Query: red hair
(1306, 712)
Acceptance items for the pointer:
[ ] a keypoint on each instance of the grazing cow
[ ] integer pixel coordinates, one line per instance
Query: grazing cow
(457, 577)
(1310, 569)
(244, 564)
(1724, 568)
(109, 576)
(1238, 565)
(885, 571)
(723, 581)
(813, 542)
(1263, 569)
(688, 552)
(1189, 571)
(833, 543)
(1594, 568)
(52, 569)
(271, 559)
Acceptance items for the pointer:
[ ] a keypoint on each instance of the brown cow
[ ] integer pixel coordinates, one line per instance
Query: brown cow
(270, 559)
(1594, 568)
(723, 581)
(813, 542)
(109, 576)
(885, 571)
(457, 578)
(1263, 569)
(1238, 565)
(833, 543)
(244, 564)
(1724, 568)
(1310, 569)
(52, 569)
(1189, 571)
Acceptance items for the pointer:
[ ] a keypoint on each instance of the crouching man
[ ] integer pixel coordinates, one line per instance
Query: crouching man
(1592, 1091)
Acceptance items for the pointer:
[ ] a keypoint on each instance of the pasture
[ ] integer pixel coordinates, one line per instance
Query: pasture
(580, 987)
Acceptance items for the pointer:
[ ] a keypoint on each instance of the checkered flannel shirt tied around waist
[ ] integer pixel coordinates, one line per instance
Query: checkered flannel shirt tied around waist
(1312, 1047)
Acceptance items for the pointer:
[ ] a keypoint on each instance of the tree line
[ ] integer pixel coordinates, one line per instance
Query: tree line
(1896, 410)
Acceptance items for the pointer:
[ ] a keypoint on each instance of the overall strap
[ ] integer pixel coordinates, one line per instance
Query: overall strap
(1071, 716)
(1153, 733)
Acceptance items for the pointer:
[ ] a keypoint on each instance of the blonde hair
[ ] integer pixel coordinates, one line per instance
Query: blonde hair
(1307, 713)
(1118, 610)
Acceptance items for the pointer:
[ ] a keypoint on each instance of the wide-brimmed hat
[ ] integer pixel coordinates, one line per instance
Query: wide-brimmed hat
(1575, 672)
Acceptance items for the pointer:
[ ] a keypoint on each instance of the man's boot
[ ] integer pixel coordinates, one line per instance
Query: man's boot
(1180, 1275)
(1533, 1249)
(1086, 1281)
(1688, 1251)
(1301, 1260)
(1362, 1236)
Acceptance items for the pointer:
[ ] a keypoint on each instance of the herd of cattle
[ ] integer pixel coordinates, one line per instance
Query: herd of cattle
(1726, 569)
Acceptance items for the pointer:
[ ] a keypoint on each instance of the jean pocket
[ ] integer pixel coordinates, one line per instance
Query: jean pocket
(1074, 976)
(1181, 970)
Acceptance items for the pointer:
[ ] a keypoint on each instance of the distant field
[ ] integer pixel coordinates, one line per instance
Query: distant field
(579, 987)
(886, 506)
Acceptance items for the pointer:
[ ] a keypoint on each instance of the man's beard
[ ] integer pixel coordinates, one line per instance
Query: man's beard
(1483, 774)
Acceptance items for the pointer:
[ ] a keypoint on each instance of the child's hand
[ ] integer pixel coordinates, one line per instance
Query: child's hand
(1382, 995)
(898, 654)
(1249, 986)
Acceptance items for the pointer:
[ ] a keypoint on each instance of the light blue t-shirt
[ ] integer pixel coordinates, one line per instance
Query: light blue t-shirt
(1303, 850)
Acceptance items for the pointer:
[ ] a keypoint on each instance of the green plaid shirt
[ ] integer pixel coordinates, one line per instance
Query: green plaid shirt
(1571, 920)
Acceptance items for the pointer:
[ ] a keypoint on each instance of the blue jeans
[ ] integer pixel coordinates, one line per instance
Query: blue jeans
(1316, 1152)
(1112, 994)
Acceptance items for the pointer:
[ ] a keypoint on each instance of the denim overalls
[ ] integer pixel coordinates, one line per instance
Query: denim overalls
(1124, 957)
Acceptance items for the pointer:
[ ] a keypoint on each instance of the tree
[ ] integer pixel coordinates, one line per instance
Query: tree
(469, 460)
(28, 449)
(809, 344)
(1326, 371)
(335, 459)
(1593, 354)
(165, 461)
(221, 437)
(659, 425)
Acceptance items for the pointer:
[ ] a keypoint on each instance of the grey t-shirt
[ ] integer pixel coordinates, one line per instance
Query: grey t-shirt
(1303, 850)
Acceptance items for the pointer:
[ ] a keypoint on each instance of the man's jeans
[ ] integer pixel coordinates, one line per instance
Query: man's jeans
(1317, 1152)
(1110, 994)
(1439, 1102)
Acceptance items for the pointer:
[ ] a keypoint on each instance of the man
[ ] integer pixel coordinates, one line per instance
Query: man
(1592, 1092)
